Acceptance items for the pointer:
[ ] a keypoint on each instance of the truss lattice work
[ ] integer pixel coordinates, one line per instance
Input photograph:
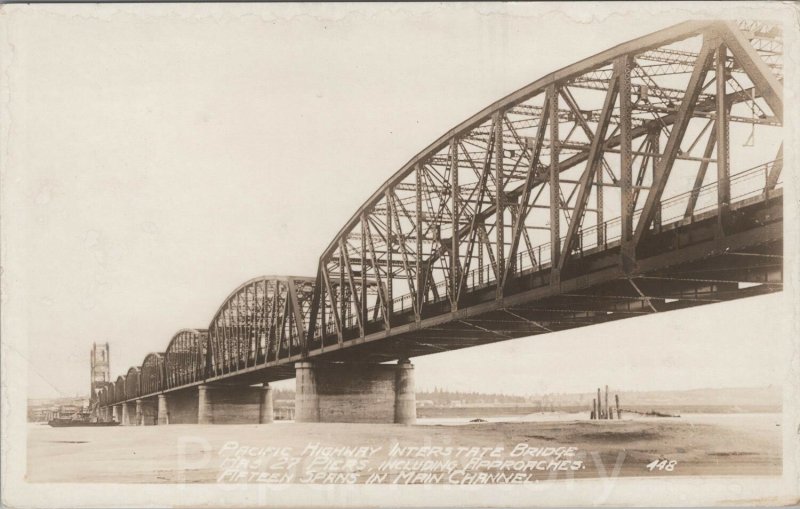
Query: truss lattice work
(565, 203)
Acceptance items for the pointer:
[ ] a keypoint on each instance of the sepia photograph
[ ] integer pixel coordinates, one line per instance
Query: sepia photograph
(399, 255)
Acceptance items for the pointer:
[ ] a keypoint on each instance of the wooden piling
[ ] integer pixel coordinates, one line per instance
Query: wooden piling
(599, 405)
(616, 398)
(608, 416)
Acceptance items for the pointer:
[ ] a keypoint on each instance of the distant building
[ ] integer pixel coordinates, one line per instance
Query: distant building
(69, 409)
(100, 365)
(47, 409)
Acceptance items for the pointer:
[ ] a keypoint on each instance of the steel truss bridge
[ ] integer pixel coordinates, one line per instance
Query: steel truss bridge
(644, 179)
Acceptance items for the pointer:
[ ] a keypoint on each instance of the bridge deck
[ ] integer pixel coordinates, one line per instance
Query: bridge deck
(686, 264)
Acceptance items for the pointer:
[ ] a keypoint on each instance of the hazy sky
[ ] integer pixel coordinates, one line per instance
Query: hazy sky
(158, 161)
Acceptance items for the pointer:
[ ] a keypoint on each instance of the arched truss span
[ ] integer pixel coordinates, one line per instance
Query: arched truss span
(132, 383)
(580, 175)
(119, 389)
(152, 378)
(261, 321)
(596, 155)
(186, 357)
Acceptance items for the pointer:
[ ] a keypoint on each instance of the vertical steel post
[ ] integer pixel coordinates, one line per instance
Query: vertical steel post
(499, 200)
(342, 300)
(236, 329)
(262, 320)
(723, 136)
(600, 219)
(626, 161)
(323, 319)
(247, 326)
(655, 145)
(421, 290)
(480, 259)
(455, 277)
(363, 302)
(555, 213)
(389, 250)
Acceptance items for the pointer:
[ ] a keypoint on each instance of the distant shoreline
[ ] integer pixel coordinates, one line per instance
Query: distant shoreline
(509, 410)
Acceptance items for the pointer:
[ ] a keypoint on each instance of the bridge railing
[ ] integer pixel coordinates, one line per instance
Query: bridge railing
(745, 184)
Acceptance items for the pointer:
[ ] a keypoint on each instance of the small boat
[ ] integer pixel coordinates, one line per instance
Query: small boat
(80, 419)
(66, 423)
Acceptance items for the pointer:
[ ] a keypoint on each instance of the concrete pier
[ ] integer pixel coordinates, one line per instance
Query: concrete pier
(163, 413)
(128, 414)
(145, 412)
(116, 413)
(355, 392)
(405, 403)
(179, 407)
(267, 410)
(306, 399)
(209, 404)
(229, 404)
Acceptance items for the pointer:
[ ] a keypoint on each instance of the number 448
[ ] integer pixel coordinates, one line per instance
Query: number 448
(668, 465)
